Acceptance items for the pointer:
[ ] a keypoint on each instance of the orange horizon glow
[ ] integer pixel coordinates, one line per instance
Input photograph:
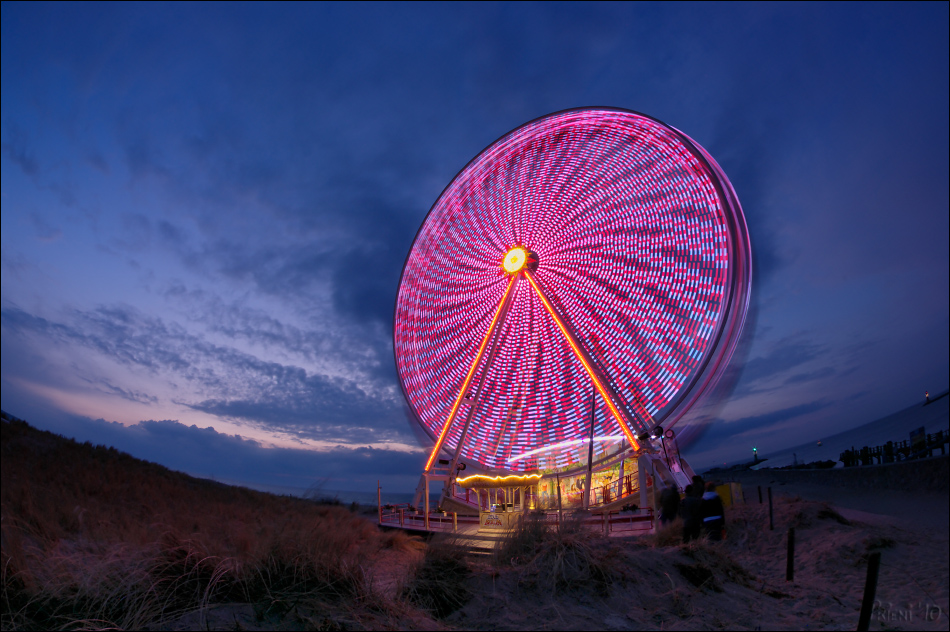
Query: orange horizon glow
(471, 374)
(580, 356)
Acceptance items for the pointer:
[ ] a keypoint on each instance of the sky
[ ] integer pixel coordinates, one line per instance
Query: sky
(206, 209)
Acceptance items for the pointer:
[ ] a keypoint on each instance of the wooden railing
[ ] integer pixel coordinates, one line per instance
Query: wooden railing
(612, 491)
(402, 516)
(405, 517)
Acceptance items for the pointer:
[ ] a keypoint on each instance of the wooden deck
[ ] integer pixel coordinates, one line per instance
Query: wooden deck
(466, 528)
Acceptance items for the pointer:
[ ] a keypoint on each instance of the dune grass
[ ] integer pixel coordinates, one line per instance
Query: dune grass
(439, 584)
(556, 558)
(93, 538)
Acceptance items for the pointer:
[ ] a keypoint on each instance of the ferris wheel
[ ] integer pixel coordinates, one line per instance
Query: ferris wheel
(581, 281)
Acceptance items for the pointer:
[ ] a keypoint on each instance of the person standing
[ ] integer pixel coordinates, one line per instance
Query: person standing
(692, 515)
(714, 516)
(669, 504)
(698, 485)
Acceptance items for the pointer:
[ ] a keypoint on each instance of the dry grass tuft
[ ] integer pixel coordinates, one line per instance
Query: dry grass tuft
(666, 534)
(439, 585)
(557, 558)
(399, 540)
(523, 541)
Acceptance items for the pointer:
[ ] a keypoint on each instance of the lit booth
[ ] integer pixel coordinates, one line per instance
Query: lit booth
(501, 500)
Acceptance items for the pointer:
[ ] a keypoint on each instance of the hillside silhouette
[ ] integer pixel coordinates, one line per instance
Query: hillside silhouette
(93, 537)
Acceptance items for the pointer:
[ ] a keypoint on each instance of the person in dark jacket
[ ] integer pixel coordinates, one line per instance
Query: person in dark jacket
(691, 510)
(714, 516)
(669, 504)
(698, 486)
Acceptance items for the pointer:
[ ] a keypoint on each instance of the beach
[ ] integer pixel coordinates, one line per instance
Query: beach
(740, 583)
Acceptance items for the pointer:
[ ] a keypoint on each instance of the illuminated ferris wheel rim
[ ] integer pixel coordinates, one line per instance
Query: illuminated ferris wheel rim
(519, 261)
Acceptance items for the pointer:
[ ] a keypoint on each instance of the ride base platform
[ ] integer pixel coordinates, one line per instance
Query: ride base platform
(475, 536)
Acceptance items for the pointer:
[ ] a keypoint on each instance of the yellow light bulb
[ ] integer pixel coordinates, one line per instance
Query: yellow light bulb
(515, 260)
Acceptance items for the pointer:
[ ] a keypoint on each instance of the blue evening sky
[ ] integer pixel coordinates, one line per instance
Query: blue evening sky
(206, 207)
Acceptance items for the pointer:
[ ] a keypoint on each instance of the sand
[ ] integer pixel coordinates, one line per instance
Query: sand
(741, 581)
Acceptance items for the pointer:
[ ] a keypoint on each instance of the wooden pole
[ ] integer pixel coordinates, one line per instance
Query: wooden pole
(870, 588)
(455, 521)
(790, 558)
(590, 446)
(379, 501)
(427, 502)
(620, 480)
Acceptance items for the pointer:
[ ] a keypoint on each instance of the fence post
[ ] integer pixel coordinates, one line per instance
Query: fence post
(455, 521)
(426, 506)
(790, 561)
(870, 588)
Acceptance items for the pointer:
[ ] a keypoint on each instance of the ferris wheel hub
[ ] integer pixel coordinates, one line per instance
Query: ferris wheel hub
(518, 259)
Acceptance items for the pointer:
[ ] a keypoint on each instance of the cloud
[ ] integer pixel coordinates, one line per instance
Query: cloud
(323, 341)
(16, 148)
(810, 376)
(219, 379)
(127, 394)
(785, 355)
(43, 229)
(724, 439)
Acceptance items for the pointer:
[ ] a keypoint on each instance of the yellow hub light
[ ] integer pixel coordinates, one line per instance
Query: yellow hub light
(515, 260)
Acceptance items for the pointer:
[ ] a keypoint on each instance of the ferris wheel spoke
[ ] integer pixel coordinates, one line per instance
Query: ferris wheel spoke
(582, 357)
(492, 326)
